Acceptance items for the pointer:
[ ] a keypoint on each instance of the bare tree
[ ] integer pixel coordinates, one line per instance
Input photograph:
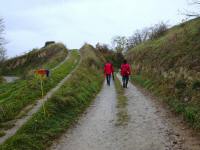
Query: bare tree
(192, 13)
(138, 37)
(101, 46)
(119, 43)
(195, 2)
(145, 34)
(2, 41)
(157, 30)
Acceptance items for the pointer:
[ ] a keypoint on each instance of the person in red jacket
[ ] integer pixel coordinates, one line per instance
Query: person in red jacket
(108, 71)
(125, 73)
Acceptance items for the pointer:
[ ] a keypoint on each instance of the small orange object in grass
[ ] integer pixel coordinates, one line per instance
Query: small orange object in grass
(41, 73)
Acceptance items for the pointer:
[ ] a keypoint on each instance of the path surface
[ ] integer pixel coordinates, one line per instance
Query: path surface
(10, 79)
(61, 63)
(19, 122)
(147, 129)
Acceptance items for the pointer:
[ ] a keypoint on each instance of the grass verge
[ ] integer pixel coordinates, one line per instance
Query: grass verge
(122, 114)
(188, 110)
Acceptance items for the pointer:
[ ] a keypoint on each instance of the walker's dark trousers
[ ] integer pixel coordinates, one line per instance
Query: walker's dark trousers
(108, 77)
(125, 81)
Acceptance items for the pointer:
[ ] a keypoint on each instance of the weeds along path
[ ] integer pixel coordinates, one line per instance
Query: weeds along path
(19, 122)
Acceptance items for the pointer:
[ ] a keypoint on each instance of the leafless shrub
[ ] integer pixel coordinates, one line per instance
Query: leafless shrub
(2, 41)
(119, 43)
(192, 13)
(145, 34)
(102, 47)
(158, 30)
(138, 37)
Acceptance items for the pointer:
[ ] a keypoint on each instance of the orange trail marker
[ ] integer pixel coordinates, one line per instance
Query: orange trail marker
(41, 73)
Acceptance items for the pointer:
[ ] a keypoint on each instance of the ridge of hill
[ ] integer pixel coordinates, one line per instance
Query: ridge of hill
(46, 57)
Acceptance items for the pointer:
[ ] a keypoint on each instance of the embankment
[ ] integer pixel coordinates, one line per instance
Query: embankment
(170, 68)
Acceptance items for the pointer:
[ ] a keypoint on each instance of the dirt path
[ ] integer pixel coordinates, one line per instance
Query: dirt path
(10, 79)
(68, 55)
(19, 122)
(147, 128)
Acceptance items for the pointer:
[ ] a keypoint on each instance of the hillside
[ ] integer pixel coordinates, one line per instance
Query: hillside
(1, 79)
(170, 67)
(46, 57)
(64, 107)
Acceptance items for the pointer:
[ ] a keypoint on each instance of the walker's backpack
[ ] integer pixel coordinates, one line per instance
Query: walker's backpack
(125, 69)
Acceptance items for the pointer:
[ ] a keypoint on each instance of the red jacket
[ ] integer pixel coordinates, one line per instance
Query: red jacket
(108, 69)
(125, 70)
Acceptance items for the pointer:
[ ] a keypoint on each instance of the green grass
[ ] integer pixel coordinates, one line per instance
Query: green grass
(2, 133)
(122, 114)
(1, 80)
(15, 96)
(63, 108)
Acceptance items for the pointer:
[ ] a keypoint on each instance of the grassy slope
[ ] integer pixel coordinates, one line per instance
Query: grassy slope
(17, 95)
(1, 80)
(63, 108)
(47, 57)
(170, 67)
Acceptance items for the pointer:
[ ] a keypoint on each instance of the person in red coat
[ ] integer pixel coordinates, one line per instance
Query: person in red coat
(108, 71)
(125, 73)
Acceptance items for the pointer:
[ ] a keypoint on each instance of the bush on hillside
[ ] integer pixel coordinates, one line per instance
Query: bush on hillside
(115, 57)
(157, 30)
(149, 33)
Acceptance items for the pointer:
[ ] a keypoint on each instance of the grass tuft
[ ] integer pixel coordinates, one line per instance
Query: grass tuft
(122, 114)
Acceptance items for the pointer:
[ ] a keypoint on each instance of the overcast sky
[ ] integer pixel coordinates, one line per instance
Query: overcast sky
(29, 23)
